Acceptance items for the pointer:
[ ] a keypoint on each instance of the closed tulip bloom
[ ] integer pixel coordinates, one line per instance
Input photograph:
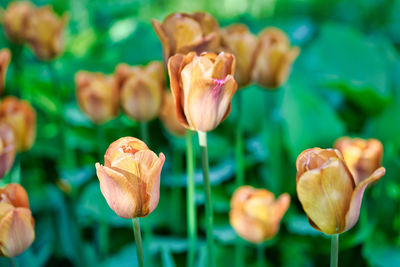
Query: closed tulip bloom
(238, 40)
(5, 57)
(45, 33)
(255, 214)
(20, 115)
(130, 177)
(7, 148)
(203, 87)
(16, 221)
(15, 20)
(328, 192)
(141, 90)
(183, 33)
(362, 156)
(273, 59)
(97, 95)
(168, 115)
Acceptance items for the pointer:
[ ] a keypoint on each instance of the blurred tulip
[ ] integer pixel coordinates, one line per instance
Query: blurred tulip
(273, 58)
(255, 214)
(329, 194)
(15, 20)
(16, 221)
(203, 87)
(130, 177)
(141, 89)
(5, 57)
(238, 40)
(168, 115)
(183, 33)
(20, 115)
(7, 148)
(45, 33)
(97, 95)
(362, 157)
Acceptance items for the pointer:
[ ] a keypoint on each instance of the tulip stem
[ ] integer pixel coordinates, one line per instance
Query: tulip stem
(14, 263)
(144, 132)
(207, 190)
(334, 250)
(240, 168)
(138, 240)
(239, 253)
(191, 201)
(261, 255)
(16, 174)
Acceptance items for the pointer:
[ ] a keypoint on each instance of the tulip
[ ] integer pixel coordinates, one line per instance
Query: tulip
(273, 58)
(183, 33)
(97, 95)
(130, 177)
(203, 87)
(44, 33)
(238, 40)
(20, 115)
(141, 90)
(328, 192)
(7, 148)
(255, 214)
(5, 57)
(168, 115)
(16, 221)
(362, 157)
(15, 20)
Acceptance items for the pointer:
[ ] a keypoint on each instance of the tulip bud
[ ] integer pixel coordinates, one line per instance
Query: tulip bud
(183, 33)
(141, 90)
(168, 115)
(203, 87)
(16, 221)
(255, 214)
(5, 57)
(15, 20)
(238, 40)
(362, 157)
(273, 58)
(130, 177)
(7, 148)
(20, 115)
(97, 95)
(45, 33)
(330, 195)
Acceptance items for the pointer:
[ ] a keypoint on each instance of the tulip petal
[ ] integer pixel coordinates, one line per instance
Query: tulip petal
(119, 193)
(356, 198)
(224, 65)
(16, 232)
(163, 38)
(250, 229)
(281, 206)
(285, 65)
(325, 195)
(123, 145)
(16, 195)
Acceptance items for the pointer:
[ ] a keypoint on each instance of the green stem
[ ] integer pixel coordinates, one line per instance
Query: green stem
(208, 203)
(176, 192)
(144, 132)
(16, 174)
(138, 240)
(191, 202)
(240, 168)
(261, 255)
(239, 253)
(14, 263)
(334, 250)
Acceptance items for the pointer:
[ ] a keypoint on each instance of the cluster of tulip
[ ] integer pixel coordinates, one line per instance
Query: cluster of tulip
(39, 27)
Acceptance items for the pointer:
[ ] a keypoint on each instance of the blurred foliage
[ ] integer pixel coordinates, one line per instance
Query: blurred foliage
(346, 81)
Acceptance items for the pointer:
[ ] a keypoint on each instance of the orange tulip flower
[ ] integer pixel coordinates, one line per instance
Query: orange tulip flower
(20, 115)
(141, 89)
(130, 177)
(16, 221)
(362, 157)
(5, 57)
(328, 192)
(273, 58)
(255, 214)
(203, 87)
(168, 115)
(7, 148)
(97, 95)
(15, 20)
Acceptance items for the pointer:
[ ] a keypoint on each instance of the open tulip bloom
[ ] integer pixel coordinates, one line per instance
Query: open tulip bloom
(330, 195)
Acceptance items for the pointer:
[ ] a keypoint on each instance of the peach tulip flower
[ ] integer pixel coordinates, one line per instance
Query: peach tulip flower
(7, 148)
(15, 20)
(168, 115)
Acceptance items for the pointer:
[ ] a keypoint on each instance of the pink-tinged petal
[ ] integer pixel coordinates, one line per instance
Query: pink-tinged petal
(325, 195)
(16, 230)
(119, 192)
(356, 198)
